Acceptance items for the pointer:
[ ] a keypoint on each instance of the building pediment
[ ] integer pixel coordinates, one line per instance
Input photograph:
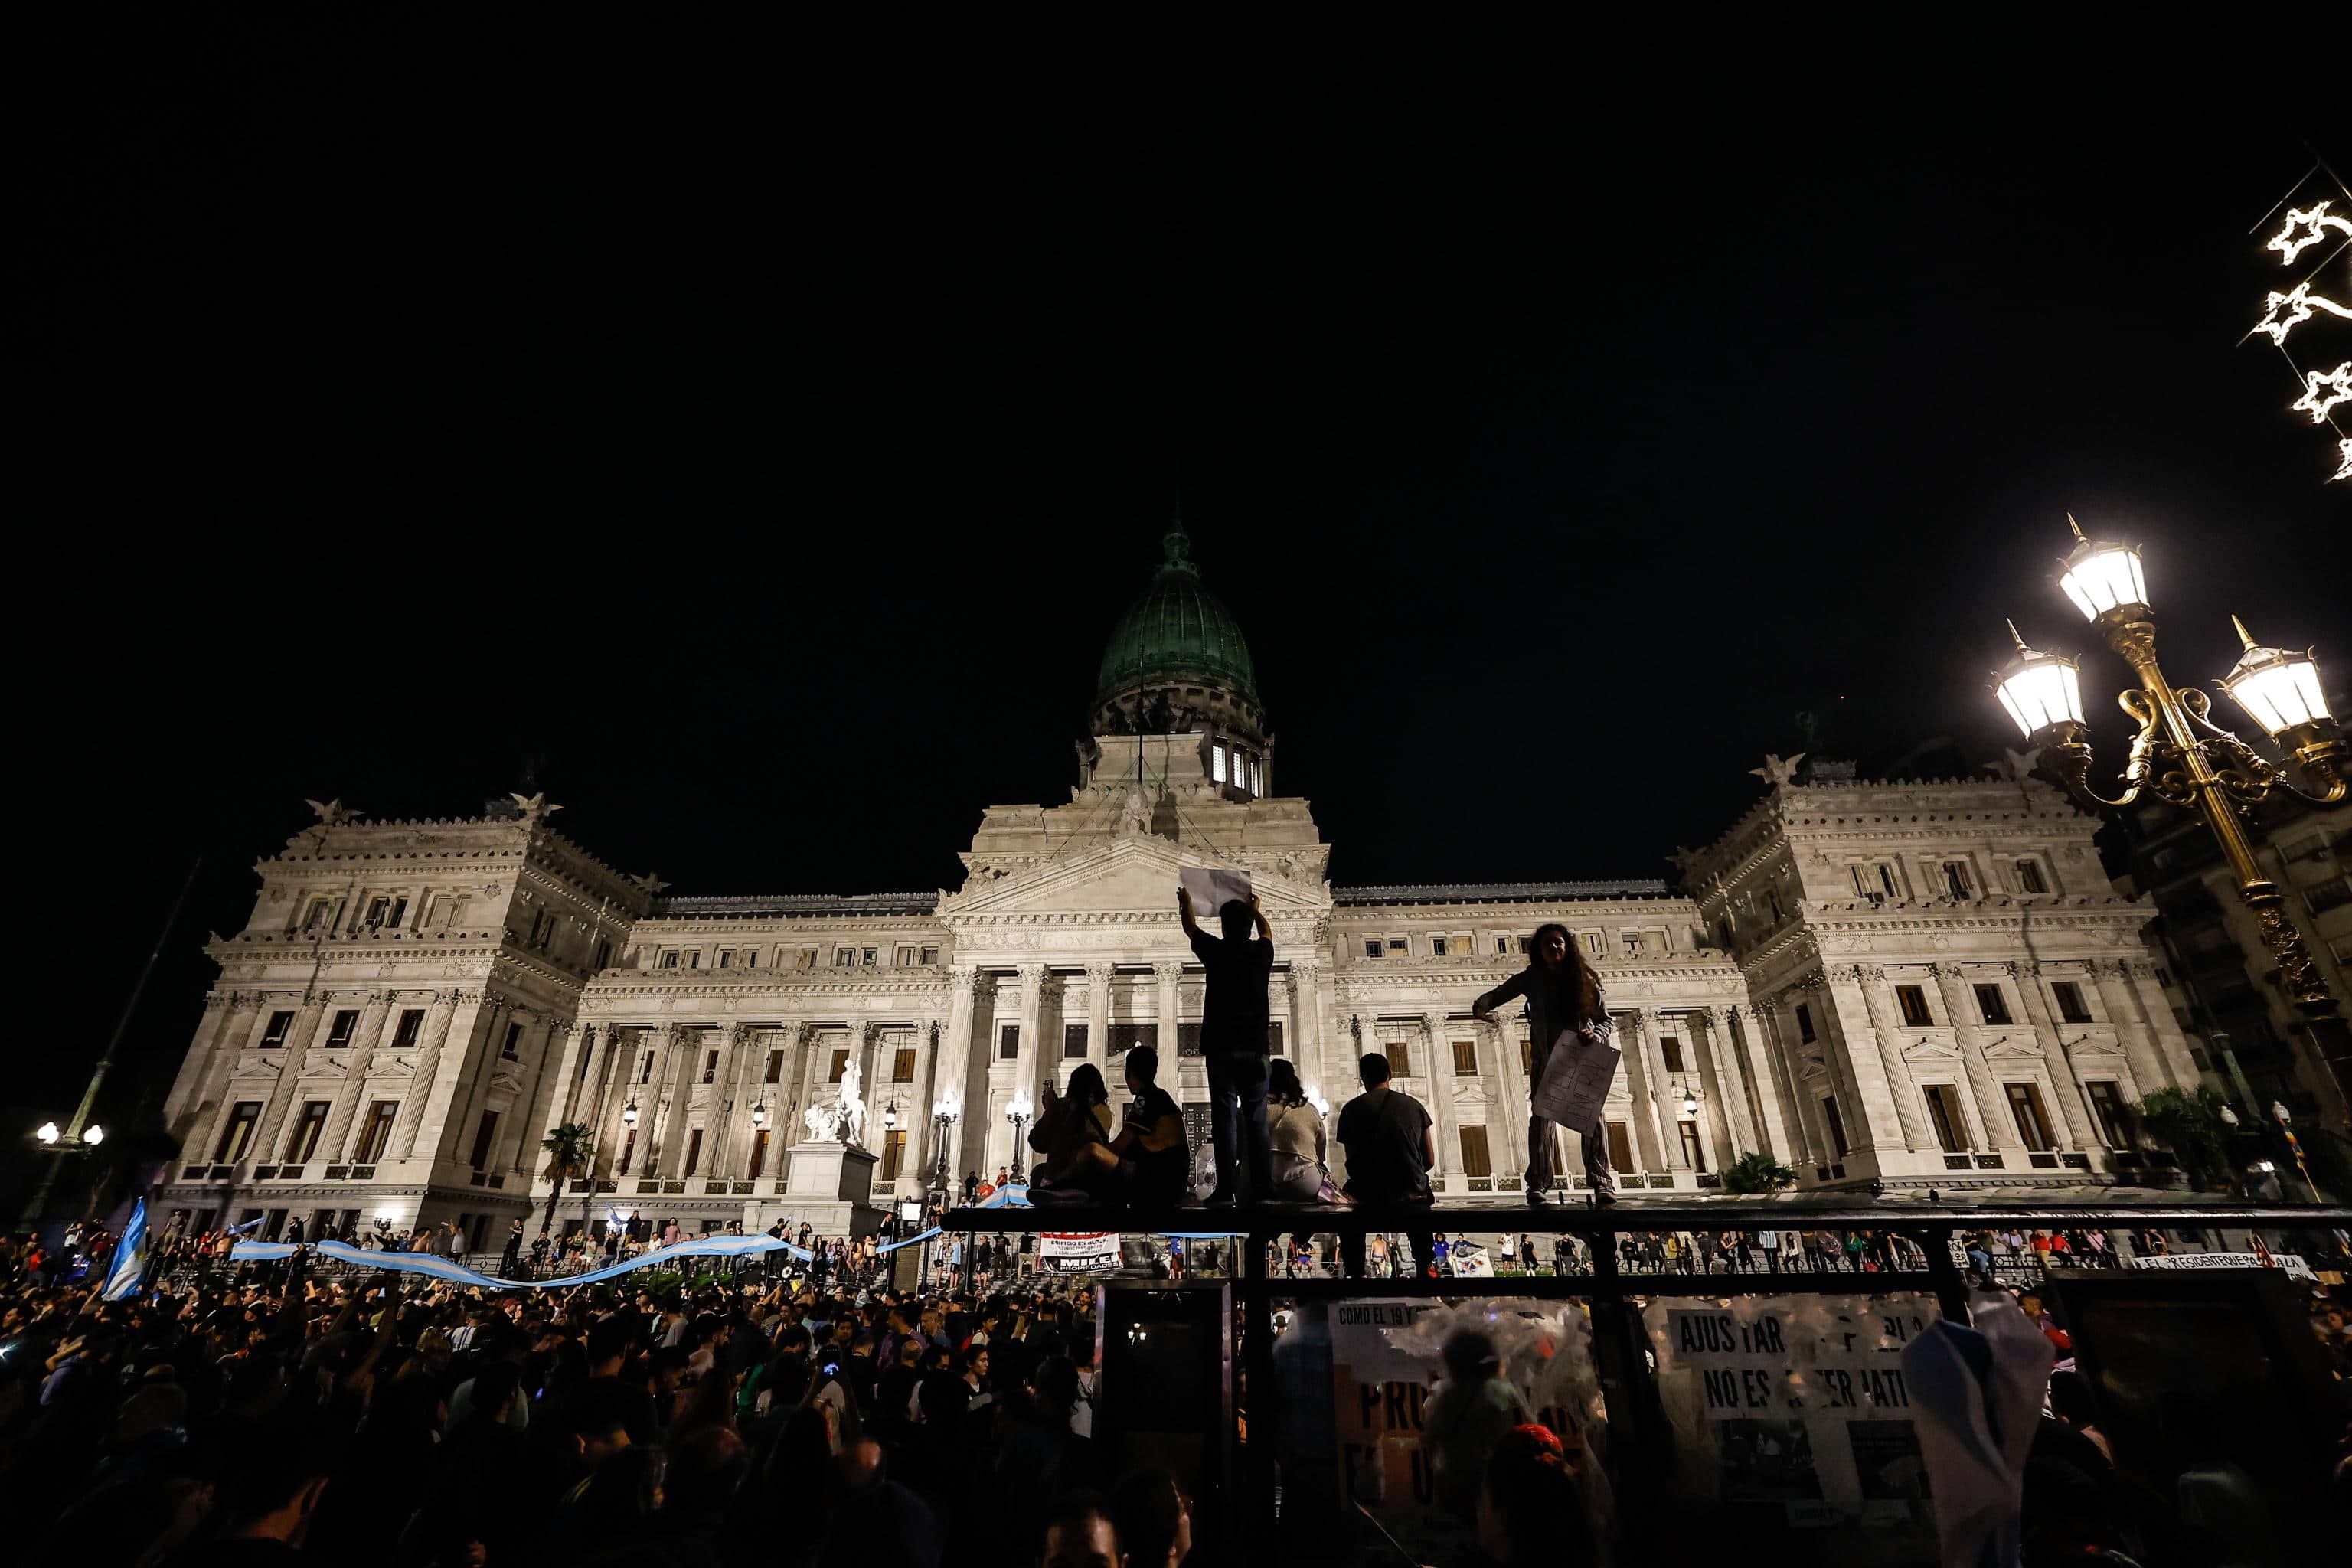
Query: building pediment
(1931, 1051)
(1131, 875)
(2014, 1045)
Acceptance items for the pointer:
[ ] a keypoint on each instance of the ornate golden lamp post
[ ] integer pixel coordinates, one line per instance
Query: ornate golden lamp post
(2181, 756)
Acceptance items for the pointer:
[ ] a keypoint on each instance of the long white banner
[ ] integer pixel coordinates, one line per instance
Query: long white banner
(2291, 1262)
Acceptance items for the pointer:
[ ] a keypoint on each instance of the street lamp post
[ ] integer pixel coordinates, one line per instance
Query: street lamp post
(2180, 756)
(943, 1116)
(1018, 1114)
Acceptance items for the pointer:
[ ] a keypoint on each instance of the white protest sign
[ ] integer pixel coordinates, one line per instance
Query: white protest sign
(2292, 1263)
(1211, 887)
(1470, 1261)
(1576, 1080)
(1067, 1252)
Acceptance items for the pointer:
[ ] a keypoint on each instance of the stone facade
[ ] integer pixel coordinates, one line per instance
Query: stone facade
(1925, 983)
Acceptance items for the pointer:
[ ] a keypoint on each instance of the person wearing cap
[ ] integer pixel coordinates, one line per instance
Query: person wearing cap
(1466, 1417)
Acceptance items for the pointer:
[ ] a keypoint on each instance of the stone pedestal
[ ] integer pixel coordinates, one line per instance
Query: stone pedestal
(831, 1186)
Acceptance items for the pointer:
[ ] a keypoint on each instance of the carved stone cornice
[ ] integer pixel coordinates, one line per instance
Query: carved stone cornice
(1168, 969)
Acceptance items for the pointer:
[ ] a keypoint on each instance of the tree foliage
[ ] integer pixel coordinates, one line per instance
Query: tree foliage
(2190, 1125)
(570, 1154)
(1757, 1172)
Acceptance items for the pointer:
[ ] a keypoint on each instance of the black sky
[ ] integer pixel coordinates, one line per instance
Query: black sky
(762, 432)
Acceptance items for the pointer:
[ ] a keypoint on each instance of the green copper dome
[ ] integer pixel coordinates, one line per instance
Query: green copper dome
(1176, 633)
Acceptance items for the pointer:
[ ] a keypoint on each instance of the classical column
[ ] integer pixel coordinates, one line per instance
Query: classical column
(281, 1094)
(207, 1105)
(1170, 1014)
(574, 1069)
(1510, 1096)
(719, 1111)
(219, 1009)
(664, 1119)
(1747, 1027)
(2129, 1021)
(1814, 1141)
(925, 1142)
(1441, 1102)
(1909, 1109)
(2083, 1131)
(963, 981)
(2165, 1039)
(623, 1051)
(1740, 1118)
(2000, 1127)
(1033, 1024)
(1632, 1035)
(355, 1071)
(433, 1078)
(1098, 985)
(1668, 1137)
(1873, 1083)
(525, 1121)
(482, 1056)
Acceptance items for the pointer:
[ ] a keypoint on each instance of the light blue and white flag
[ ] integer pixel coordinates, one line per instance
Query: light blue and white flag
(129, 1256)
(249, 1226)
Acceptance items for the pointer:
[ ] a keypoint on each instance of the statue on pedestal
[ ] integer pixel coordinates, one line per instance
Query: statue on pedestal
(842, 1120)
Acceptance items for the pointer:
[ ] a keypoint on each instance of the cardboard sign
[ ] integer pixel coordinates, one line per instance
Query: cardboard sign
(1211, 888)
(1575, 1080)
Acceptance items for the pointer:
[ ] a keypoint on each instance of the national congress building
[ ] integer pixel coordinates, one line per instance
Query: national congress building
(1926, 982)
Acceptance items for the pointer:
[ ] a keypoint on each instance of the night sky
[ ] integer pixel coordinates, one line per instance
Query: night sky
(758, 436)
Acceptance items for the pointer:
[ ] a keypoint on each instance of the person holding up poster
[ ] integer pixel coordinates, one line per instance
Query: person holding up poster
(1234, 1041)
(1565, 1012)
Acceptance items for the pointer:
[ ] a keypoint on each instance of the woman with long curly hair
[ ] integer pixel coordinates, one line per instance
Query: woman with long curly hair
(1564, 1011)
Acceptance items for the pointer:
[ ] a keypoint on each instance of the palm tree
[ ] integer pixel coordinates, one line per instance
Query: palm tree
(569, 1156)
(1757, 1172)
(2190, 1125)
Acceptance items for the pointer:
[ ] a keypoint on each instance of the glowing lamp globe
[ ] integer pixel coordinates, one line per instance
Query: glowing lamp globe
(759, 1114)
(1020, 1107)
(47, 1133)
(889, 1117)
(2104, 579)
(2278, 686)
(93, 1135)
(629, 1114)
(2040, 690)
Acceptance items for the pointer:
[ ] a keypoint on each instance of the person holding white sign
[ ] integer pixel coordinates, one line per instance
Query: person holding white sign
(1564, 1012)
(1233, 1040)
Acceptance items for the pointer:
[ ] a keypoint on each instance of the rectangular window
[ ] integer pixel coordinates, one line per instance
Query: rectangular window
(902, 1065)
(845, 957)
(1398, 947)
(340, 1032)
(1835, 1123)
(1008, 1042)
(894, 1154)
(906, 958)
(1993, 1004)
(1217, 761)
(628, 1149)
(710, 1067)
(1372, 948)
(670, 961)
(1502, 944)
(1693, 1150)
(304, 1141)
(1437, 947)
(931, 957)
(808, 958)
(1466, 1058)
(1630, 942)
(237, 1134)
(693, 1153)
(1591, 943)
(1527, 1055)
(281, 1024)
(1125, 1037)
(1914, 1000)
(1671, 1048)
(1074, 1041)
(2114, 1118)
(1188, 1039)
(2029, 878)
(1805, 1025)
(759, 1155)
(840, 1065)
(1956, 878)
(2025, 1108)
(376, 1133)
(776, 1066)
(510, 1048)
(1400, 1054)
(1274, 1037)
(2070, 1009)
(378, 912)
(483, 1134)
(404, 1033)
(646, 1069)
(1861, 876)
(726, 958)
(694, 958)
(865, 956)
(317, 918)
(1476, 1161)
(604, 956)
(1621, 1147)
(1944, 1110)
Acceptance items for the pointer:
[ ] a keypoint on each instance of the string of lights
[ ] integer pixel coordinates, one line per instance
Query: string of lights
(2318, 392)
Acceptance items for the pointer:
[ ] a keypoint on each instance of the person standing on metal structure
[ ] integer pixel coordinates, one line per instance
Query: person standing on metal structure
(1233, 1040)
(1564, 1012)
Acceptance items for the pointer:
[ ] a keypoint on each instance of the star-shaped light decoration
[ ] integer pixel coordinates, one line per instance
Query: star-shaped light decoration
(2323, 390)
(2344, 450)
(2306, 228)
(2282, 313)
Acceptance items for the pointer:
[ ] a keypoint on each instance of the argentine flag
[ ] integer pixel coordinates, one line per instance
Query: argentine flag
(129, 1256)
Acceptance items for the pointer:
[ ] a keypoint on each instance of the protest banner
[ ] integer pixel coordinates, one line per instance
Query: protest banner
(2292, 1264)
(1073, 1252)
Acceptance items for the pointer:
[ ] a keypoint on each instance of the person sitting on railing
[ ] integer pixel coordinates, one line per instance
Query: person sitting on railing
(1390, 1151)
(1296, 1131)
(1073, 1133)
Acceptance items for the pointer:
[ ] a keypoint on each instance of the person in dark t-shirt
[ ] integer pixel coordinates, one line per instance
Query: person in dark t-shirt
(1233, 1040)
(1155, 1158)
(1390, 1151)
